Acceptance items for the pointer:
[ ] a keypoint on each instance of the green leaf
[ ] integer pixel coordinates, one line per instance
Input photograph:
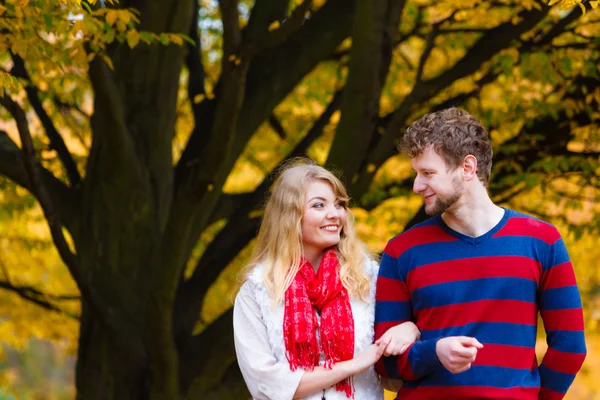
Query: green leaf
(48, 21)
(110, 36)
(187, 39)
(86, 6)
(146, 37)
(164, 39)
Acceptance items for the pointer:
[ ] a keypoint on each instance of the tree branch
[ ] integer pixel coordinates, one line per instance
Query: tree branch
(13, 167)
(277, 127)
(557, 29)
(271, 76)
(277, 36)
(193, 60)
(263, 14)
(484, 49)
(373, 38)
(236, 234)
(52, 217)
(430, 44)
(38, 298)
(270, 79)
(56, 141)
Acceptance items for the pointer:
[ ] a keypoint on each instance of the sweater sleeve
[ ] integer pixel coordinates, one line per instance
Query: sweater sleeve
(266, 378)
(392, 307)
(560, 308)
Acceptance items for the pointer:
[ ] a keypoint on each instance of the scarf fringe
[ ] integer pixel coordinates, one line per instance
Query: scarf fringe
(301, 355)
(346, 386)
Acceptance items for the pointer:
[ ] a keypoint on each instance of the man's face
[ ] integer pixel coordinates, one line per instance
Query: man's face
(441, 189)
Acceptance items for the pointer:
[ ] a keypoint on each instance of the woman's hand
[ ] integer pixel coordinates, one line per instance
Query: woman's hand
(368, 357)
(321, 378)
(399, 338)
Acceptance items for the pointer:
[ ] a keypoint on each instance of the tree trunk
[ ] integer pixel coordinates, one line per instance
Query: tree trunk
(106, 371)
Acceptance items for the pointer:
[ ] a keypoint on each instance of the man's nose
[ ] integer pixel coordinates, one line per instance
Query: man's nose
(418, 185)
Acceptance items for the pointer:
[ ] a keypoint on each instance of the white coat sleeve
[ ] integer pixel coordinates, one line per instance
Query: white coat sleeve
(265, 377)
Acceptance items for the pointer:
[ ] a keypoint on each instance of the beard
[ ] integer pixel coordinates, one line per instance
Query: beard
(441, 205)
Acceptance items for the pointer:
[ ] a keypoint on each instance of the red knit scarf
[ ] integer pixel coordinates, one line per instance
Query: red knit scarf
(321, 292)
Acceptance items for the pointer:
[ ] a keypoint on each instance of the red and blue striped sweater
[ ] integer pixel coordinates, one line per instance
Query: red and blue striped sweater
(491, 288)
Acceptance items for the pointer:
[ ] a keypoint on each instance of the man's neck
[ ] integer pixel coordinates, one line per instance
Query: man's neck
(475, 215)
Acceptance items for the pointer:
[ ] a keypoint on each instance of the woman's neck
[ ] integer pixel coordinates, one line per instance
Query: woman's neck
(313, 256)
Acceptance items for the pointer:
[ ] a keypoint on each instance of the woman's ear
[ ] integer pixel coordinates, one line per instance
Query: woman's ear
(469, 168)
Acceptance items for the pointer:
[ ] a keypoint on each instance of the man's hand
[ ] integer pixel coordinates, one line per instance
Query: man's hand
(400, 337)
(456, 353)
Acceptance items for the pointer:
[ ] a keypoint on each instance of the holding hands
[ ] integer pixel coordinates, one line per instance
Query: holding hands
(399, 338)
(456, 353)
(368, 357)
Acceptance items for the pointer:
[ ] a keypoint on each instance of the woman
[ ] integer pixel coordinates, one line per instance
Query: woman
(303, 319)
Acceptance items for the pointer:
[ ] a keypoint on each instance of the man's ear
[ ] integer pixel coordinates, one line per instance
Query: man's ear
(469, 168)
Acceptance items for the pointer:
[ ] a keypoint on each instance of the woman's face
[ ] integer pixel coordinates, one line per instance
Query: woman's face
(323, 219)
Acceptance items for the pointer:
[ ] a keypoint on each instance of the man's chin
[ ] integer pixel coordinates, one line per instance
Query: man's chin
(432, 211)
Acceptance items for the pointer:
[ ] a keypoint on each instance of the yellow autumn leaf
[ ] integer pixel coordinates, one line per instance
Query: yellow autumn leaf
(125, 16)
(121, 26)
(198, 98)
(133, 38)
(174, 38)
(274, 25)
(594, 4)
(79, 26)
(108, 61)
(111, 17)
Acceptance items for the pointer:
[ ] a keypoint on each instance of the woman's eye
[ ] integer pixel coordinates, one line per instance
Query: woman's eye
(340, 204)
(318, 205)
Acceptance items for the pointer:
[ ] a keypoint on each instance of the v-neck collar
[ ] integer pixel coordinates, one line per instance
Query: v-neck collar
(475, 241)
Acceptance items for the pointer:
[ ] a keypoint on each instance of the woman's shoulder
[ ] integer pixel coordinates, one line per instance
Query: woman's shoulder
(256, 274)
(371, 266)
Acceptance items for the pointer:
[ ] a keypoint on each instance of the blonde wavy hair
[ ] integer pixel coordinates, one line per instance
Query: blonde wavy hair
(279, 242)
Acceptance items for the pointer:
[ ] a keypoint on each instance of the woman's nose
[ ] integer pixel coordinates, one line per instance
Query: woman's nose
(333, 212)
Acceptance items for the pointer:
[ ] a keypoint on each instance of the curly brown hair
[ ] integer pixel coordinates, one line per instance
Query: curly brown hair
(454, 134)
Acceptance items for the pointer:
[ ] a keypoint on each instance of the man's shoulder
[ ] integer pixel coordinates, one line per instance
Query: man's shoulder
(521, 224)
(425, 232)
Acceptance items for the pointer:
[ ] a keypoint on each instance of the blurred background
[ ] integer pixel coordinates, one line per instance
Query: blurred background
(214, 96)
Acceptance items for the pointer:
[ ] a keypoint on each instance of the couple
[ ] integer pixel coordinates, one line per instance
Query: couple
(452, 309)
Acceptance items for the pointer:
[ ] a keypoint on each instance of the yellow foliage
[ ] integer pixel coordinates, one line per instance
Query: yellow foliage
(566, 4)
(274, 25)
(133, 38)
(111, 17)
(107, 60)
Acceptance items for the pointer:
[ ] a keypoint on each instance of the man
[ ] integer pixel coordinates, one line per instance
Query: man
(473, 278)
